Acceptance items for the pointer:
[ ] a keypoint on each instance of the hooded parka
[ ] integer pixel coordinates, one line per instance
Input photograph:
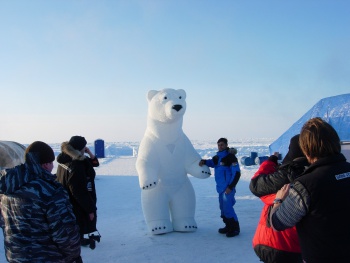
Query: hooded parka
(76, 173)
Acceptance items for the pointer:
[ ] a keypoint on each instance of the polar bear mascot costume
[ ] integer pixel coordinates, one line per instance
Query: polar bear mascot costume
(164, 159)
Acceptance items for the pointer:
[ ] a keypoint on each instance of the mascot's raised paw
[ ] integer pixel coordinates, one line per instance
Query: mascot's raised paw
(201, 172)
(205, 172)
(147, 186)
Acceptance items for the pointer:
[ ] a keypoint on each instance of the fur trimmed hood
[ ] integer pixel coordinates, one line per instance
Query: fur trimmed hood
(68, 154)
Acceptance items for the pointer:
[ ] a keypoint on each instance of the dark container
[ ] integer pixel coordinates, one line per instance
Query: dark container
(100, 148)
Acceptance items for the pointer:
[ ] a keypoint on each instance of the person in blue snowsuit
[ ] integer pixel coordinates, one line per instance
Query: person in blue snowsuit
(227, 174)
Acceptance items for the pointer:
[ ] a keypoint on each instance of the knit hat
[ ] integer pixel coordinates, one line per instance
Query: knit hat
(78, 142)
(294, 150)
(45, 152)
(224, 140)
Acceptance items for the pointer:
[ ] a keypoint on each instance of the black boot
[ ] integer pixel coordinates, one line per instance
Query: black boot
(233, 227)
(223, 230)
(237, 228)
(92, 244)
(96, 237)
(84, 241)
(93, 238)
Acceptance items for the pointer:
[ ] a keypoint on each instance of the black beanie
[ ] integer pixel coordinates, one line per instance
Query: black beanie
(46, 154)
(294, 150)
(78, 142)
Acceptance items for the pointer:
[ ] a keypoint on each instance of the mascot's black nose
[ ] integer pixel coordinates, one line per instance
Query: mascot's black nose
(177, 107)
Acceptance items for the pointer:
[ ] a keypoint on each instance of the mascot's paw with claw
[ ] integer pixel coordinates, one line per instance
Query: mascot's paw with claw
(149, 185)
(206, 172)
(161, 227)
(197, 171)
(185, 225)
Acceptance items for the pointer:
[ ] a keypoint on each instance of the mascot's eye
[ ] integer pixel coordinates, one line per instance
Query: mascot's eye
(180, 97)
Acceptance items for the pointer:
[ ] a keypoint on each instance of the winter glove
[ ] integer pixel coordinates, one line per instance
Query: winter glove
(296, 168)
(202, 162)
(273, 158)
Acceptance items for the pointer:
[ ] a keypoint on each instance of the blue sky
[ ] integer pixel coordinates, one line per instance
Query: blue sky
(250, 68)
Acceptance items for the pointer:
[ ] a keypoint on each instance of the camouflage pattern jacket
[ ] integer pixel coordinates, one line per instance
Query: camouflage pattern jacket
(36, 216)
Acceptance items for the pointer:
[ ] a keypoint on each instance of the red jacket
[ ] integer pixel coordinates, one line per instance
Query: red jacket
(267, 242)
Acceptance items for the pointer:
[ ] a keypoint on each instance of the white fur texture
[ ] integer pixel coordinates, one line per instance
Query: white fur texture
(11, 154)
(164, 159)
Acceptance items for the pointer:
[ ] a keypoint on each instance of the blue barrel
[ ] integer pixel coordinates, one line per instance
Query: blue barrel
(247, 161)
(100, 148)
(253, 155)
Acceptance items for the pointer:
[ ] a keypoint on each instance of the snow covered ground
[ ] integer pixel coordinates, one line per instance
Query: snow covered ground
(125, 237)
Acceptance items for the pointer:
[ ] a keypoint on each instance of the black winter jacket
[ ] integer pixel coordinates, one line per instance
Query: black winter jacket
(78, 177)
(324, 232)
(266, 184)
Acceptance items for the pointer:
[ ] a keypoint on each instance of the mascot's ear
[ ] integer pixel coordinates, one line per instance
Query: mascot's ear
(182, 93)
(151, 94)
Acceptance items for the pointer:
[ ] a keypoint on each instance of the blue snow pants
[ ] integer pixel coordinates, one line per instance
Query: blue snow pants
(227, 201)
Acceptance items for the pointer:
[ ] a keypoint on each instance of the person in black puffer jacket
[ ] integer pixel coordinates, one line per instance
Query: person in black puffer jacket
(76, 173)
(318, 202)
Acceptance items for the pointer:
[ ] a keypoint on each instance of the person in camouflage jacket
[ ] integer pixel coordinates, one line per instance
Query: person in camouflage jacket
(36, 215)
